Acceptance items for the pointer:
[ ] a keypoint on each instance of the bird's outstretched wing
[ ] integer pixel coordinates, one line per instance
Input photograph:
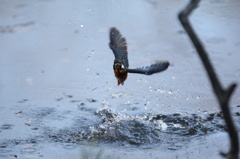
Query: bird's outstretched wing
(118, 45)
(149, 70)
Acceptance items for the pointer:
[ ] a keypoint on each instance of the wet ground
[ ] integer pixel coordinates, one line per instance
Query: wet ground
(60, 99)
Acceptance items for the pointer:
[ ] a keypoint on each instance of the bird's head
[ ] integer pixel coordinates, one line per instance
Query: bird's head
(118, 66)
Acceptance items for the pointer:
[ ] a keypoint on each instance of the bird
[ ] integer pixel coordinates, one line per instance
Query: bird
(118, 45)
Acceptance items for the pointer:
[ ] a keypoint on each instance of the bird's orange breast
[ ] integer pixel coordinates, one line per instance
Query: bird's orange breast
(121, 75)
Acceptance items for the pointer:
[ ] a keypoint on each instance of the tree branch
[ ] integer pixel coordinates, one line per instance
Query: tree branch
(222, 95)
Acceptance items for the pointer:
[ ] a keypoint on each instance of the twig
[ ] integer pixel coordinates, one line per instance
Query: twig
(223, 95)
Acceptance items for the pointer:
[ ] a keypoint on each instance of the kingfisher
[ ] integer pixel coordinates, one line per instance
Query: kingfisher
(118, 45)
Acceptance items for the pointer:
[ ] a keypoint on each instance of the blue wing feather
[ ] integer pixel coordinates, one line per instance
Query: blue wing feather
(118, 45)
(149, 70)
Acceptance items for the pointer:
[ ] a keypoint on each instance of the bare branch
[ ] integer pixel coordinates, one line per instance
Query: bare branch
(223, 96)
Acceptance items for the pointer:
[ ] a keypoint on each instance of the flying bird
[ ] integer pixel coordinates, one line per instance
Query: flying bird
(118, 45)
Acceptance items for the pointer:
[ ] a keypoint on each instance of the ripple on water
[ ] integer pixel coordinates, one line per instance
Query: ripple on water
(6, 126)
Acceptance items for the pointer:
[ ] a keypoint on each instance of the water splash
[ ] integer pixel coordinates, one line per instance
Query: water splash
(146, 129)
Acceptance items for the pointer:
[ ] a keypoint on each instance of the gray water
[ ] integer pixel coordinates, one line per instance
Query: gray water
(60, 99)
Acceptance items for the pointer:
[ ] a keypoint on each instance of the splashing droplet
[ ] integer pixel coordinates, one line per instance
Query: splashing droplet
(160, 90)
(150, 89)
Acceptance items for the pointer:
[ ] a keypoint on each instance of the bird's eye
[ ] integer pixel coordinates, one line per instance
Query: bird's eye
(122, 66)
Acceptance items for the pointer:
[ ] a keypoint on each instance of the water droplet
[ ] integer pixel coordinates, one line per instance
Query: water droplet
(117, 95)
(145, 106)
(92, 51)
(160, 90)
(205, 111)
(150, 89)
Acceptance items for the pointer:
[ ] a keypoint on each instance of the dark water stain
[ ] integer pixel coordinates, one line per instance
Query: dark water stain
(3, 145)
(59, 99)
(91, 100)
(44, 112)
(17, 28)
(237, 113)
(75, 101)
(6, 126)
(23, 101)
(68, 95)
